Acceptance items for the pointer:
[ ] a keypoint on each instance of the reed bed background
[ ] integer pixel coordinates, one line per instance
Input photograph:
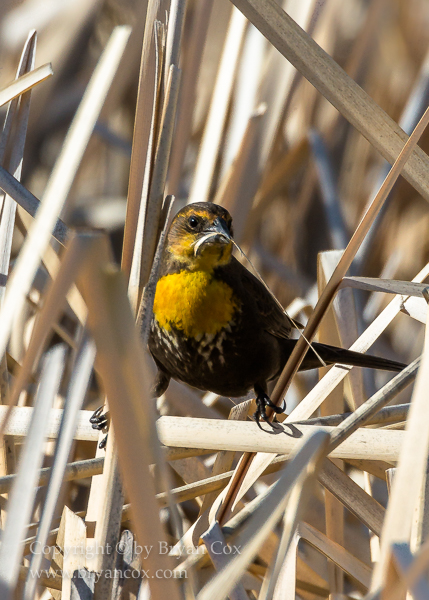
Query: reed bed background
(115, 115)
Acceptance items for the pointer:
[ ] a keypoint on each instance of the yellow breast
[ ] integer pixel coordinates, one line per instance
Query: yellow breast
(193, 302)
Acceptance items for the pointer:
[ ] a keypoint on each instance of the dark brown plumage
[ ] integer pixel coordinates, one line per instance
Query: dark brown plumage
(215, 326)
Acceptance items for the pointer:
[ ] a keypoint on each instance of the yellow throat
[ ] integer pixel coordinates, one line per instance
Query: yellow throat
(194, 303)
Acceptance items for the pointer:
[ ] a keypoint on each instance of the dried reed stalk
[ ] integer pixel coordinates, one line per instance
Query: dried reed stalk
(335, 85)
(25, 83)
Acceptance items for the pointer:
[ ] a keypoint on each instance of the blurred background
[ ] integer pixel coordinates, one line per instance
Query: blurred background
(251, 132)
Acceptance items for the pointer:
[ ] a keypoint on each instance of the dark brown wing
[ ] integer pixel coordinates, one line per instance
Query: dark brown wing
(274, 320)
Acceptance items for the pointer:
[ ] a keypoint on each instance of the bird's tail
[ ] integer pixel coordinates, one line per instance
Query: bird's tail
(331, 355)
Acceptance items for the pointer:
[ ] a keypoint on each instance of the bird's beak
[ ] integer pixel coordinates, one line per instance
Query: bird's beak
(220, 228)
(217, 233)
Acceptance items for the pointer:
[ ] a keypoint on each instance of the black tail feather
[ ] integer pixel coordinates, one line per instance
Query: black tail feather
(332, 355)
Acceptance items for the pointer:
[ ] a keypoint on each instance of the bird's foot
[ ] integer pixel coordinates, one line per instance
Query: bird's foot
(100, 421)
(103, 442)
(262, 401)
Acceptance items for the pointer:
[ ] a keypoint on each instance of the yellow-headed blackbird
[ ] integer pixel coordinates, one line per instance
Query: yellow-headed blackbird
(215, 326)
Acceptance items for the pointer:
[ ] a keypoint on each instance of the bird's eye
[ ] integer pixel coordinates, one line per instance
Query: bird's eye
(193, 221)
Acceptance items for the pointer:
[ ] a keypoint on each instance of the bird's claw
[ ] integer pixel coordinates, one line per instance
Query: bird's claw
(99, 421)
(262, 401)
(277, 409)
(103, 442)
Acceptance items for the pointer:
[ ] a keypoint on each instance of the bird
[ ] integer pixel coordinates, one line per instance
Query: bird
(215, 326)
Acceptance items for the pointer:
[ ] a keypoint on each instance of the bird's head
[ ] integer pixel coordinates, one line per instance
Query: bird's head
(200, 236)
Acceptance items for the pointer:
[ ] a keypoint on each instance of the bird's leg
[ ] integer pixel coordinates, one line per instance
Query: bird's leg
(262, 401)
(99, 421)
(261, 413)
(160, 384)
